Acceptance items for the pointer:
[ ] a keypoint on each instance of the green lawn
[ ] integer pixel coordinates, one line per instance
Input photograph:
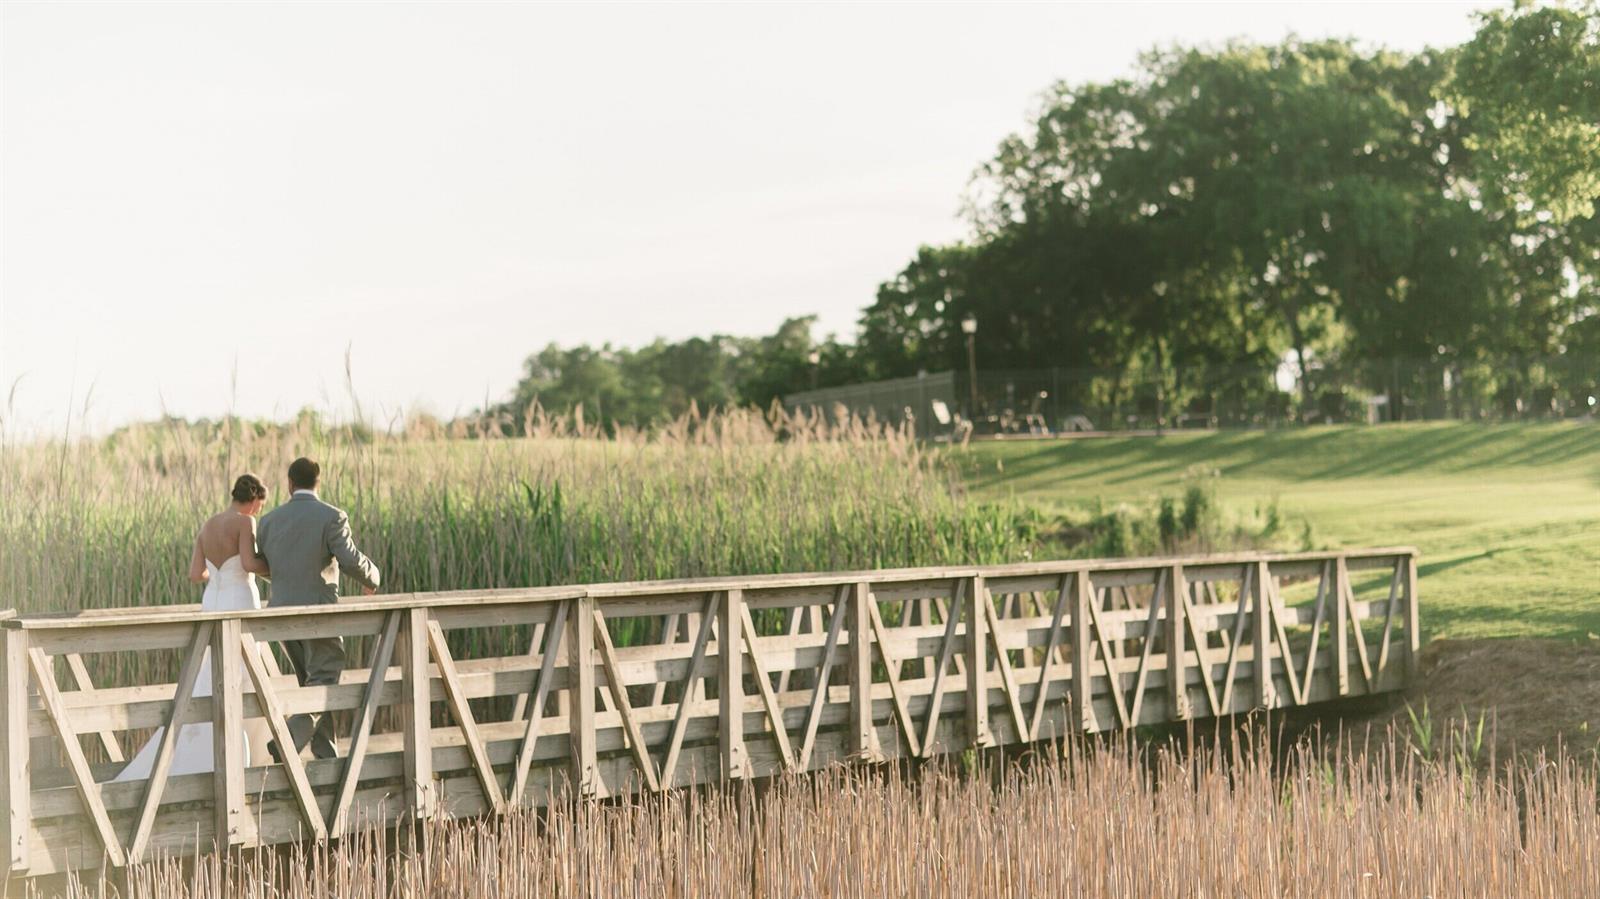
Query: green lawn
(1507, 517)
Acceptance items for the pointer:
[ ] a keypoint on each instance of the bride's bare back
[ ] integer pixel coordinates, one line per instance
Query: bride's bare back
(225, 535)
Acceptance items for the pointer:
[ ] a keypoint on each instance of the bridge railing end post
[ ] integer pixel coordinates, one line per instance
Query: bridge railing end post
(417, 709)
(1082, 648)
(227, 732)
(977, 646)
(1260, 633)
(1341, 625)
(1413, 621)
(1177, 653)
(730, 685)
(16, 783)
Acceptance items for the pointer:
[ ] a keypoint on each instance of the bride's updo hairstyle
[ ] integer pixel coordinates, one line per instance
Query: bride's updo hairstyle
(248, 489)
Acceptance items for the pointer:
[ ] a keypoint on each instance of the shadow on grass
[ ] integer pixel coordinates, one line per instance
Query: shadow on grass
(1428, 569)
(1299, 454)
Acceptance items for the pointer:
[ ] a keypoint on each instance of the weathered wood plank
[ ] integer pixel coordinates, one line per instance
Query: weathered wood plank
(85, 684)
(891, 665)
(161, 768)
(1083, 601)
(381, 655)
(227, 735)
(1260, 629)
(288, 754)
(555, 634)
(580, 668)
(1388, 620)
(680, 718)
(636, 741)
(16, 788)
(768, 698)
(1008, 680)
(977, 657)
(730, 682)
(819, 693)
(860, 670)
(416, 710)
(1413, 628)
(1341, 624)
(1177, 691)
(461, 711)
(44, 679)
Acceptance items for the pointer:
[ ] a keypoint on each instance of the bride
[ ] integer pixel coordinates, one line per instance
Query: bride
(225, 560)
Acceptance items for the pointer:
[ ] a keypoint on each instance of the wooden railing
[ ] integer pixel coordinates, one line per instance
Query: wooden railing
(474, 702)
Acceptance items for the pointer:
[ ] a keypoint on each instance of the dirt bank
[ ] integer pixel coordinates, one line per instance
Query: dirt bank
(1535, 694)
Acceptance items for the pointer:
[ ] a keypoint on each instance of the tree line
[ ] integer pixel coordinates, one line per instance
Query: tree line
(1234, 208)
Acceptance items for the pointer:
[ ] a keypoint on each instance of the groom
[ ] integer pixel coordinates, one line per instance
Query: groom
(307, 543)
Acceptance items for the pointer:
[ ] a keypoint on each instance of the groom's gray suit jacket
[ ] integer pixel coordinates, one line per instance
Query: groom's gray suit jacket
(307, 543)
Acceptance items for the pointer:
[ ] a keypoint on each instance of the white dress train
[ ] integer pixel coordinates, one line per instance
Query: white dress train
(230, 588)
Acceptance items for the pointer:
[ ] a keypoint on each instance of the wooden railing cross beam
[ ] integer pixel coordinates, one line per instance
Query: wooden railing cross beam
(1047, 661)
(188, 676)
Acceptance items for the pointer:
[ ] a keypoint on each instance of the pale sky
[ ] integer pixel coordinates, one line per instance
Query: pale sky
(191, 191)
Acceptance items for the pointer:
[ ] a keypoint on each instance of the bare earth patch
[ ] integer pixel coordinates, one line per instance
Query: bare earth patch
(1535, 693)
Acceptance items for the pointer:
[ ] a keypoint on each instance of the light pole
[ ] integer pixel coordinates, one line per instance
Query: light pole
(816, 362)
(969, 327)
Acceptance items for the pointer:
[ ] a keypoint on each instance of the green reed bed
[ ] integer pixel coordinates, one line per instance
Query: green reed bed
(110, 523)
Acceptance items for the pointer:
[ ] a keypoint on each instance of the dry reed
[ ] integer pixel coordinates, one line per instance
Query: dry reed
(1110, 820)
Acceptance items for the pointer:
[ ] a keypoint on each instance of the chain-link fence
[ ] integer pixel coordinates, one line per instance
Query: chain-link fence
(928, 402)
(1056, 400)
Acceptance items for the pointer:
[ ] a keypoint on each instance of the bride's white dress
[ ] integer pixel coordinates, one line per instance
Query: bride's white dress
(229, 588)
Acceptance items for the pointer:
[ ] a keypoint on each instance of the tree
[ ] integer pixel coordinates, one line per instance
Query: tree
(1529, 85)
(1222, 210)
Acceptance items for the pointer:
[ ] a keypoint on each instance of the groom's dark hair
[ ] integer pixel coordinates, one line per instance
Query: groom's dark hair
(304, 473)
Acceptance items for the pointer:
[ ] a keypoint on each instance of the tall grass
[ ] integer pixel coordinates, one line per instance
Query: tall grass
(112, 522)
(1112, 821)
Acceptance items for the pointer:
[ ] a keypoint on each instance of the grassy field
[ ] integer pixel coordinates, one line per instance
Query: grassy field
(1507, 517)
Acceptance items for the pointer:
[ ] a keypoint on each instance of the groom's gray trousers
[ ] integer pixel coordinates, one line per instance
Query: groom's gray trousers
(307, 544)
(317, 663)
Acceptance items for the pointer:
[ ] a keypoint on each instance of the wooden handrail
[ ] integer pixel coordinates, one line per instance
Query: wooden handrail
(188, 612)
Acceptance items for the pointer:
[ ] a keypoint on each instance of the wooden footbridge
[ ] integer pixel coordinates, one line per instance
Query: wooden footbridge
(469, 703)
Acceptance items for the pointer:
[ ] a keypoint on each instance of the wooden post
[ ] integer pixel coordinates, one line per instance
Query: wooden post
(15, 783)
(730, 686)
(1177, 667)
(1082, 648)
(227, 735)
(1413, 628)
(417, 708)
(581, 687)
(1341, 626)
(1261, 635)
(860, 670)
(978, 734)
